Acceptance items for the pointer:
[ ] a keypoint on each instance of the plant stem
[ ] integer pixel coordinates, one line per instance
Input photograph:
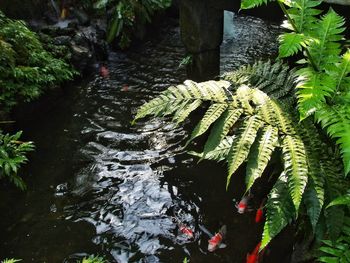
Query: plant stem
(284, 10)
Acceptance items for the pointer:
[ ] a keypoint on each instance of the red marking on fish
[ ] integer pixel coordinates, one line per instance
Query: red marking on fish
(259, 215)
(104, 72)
(187, 231)
(125, 87)
(243, 204)
(254, 256)
(216, 240)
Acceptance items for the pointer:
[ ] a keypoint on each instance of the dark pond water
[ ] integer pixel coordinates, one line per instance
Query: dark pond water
(97, 185)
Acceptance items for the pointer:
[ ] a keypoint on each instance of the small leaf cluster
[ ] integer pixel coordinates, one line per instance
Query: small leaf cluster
(93, 259)
(27, 69)
(12, 156)
(247, 125)
(323, 88)
(126, 14)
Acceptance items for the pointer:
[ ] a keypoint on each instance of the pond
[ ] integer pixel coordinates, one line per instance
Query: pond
(98, 185)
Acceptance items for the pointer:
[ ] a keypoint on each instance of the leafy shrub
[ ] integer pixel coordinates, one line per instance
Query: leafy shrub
(12, 156)
(323, 88)
(26, 68)
(249, 118)
(126, 14)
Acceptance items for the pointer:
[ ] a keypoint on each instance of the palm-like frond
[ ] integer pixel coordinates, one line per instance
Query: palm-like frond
(247, 4)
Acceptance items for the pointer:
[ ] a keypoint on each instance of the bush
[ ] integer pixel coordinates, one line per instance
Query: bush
(27, 69)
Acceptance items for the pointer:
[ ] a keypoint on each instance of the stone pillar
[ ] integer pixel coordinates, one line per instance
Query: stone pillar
(201, 32)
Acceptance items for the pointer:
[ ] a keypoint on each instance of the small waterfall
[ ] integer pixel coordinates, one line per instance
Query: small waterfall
(229, 29)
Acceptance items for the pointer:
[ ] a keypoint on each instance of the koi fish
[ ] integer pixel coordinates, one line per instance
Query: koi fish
(215, 241)
(63, 13)
(187, 231)
(104, 72)
(259, 213)
(125, 87)
(254, 256)
(183, 228)
(242, 206)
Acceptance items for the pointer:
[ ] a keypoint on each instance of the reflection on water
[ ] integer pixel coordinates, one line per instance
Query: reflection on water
(103, 186)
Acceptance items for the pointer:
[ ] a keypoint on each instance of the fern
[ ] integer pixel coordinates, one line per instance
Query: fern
(264, 125)
(243, 142)
(260, 154)
(291, 44)
(280, 210)
(295, 167)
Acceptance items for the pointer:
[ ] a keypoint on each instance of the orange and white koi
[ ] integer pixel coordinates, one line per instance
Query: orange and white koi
(242, 206)
(254, 256)
(184, 229)
(215, 241)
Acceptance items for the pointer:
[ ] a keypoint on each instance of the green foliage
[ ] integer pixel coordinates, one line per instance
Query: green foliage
(338, 251)
(127, 14)
(247, 125)
(323, 88)
(26, 68)
(93, 259)
(11, 260)
(12, 156)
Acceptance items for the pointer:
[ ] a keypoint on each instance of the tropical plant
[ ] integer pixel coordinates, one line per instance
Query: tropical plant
(339, 251)
(12, 156)
(11, 260)
(26, 68)
(323, 88)
(93, 259)
(126, 14)
(247, 125)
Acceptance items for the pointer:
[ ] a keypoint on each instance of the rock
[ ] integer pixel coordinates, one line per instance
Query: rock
(62, 40)
(81, 57)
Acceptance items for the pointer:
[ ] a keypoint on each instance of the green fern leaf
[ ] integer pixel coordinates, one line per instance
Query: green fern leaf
(260, 154)
(325, 51)
(173, 98)
(291, 44)
(336, 120)
(313, 199)
(248, 4)
(221, 128)
(295, 167)
(220, 152)
(212, 114)
(313, 87)
(279, 210)
(341, 200)
(183, 112)
(240, 147)
(334, 221)
(303, 14)
(342, 72)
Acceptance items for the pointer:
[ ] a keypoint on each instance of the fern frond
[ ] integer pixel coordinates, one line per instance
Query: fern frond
(280, 210)
(220, 152)
(341, 200)
(295, 167)
(303, 14)
(325, 51)
(260, 154)
(241, 145)
(212, 114)
(334, 221)
(291, 44)
(183, 112)
(248, 4)
(221, 128)
(341, 74)
(313, 87)
(277, 80)
(172, 99)
(336, 120)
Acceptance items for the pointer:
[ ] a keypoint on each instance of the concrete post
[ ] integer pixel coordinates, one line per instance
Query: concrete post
(201, 32)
